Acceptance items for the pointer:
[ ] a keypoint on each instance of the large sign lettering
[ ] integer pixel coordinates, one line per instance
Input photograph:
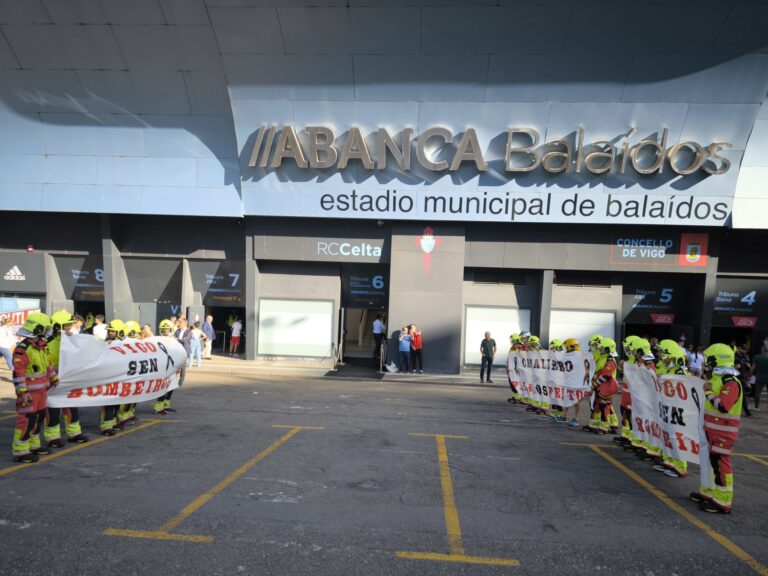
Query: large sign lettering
(505, 206)
(616, 174)
(523, 152)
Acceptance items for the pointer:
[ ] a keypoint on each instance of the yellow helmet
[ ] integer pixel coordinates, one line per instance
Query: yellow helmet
(629, 345)
(594, 341)
(720, 356)
(607, 346)
(60, 319)
(132, 329)
(668, 347)
(556, 345)
(166, 325)
(680, 357)
(36, 325)
(514, 338)
(642, 347)
(534, 342)
(572, 345)
(118, 327)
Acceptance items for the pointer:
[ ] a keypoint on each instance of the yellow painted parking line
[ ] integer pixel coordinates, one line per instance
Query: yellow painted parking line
(587, 445)
(157, 535)
(440, 436)
(754, 458)
(452, 526)
(726, 543)
(164, 533)
(451, 513)
(454, 558)
(76, 447)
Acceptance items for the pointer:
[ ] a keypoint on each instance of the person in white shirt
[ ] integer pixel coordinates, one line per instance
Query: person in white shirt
(378, 334)
(99, 328)
(7, 341)
(696, 362)
(234, 342)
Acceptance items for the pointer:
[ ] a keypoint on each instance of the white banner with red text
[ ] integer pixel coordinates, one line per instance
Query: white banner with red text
(561, 378)
(667, 412)
(93, 372)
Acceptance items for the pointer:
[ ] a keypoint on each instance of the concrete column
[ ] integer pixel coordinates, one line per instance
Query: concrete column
(251, 320)
(545, 305)
(708, 302)
(55, 298)
(186, 286)
(118, 300)
(426, 289)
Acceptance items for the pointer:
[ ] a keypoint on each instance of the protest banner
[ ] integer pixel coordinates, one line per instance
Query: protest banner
(93, 372)
(561, 378)
(17, 317)
(667, 412)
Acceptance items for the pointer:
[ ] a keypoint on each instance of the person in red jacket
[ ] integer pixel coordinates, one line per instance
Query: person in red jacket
(33, 375)
(722, 417)
(605, 386)
(416, 348)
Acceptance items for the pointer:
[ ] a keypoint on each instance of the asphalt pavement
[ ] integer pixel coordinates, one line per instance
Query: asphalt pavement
(330, 476)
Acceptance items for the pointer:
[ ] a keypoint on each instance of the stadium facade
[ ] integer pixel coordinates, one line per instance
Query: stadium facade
(566, 168)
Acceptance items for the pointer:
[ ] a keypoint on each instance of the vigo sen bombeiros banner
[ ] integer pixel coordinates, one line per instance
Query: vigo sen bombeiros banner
(668, 412)
(97, 373)
(561, 378)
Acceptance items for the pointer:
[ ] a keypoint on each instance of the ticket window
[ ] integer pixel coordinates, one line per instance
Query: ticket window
(581, 324)
(500, 322)
(295, 328)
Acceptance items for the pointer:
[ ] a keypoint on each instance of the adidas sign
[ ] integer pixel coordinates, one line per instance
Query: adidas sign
(14, 274)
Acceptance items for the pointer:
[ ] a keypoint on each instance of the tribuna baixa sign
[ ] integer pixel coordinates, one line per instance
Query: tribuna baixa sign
(437, 149)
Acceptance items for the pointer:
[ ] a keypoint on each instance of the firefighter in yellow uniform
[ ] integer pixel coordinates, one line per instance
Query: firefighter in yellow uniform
(514, 346)
(594, 347)
(126, 413)
(108, 414)
(722, 418)
(672, 362)
(572, 345)
(33, 375)
(556, 411)
(605, 386)
(533, 344)
(522, 346)
(646, 451)
(62, 322)
(626, 436)
(163, 404)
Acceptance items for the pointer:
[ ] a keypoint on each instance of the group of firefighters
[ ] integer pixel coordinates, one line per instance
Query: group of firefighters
(35, 371)
(36, 363)
(722, 409)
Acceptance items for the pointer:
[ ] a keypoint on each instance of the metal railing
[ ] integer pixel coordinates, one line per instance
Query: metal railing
(382, 355)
